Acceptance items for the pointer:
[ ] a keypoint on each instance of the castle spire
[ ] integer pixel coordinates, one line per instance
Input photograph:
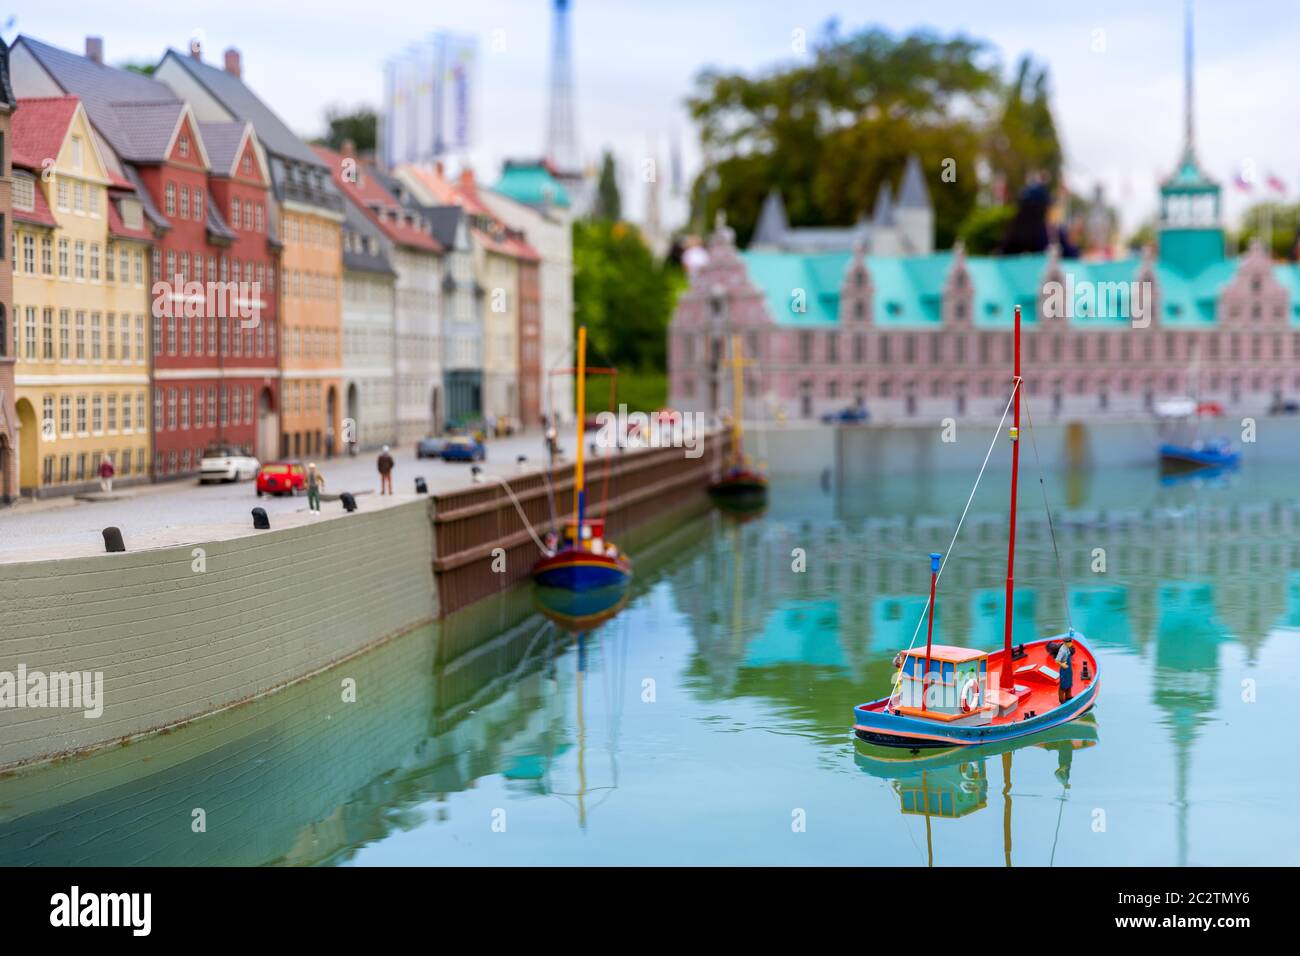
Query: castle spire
(1189, 143)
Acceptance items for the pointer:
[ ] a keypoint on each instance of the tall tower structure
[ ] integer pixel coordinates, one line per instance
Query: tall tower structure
(561, 129)
(1191, 230)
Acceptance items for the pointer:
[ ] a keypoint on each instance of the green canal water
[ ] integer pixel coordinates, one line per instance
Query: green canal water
(709, 721)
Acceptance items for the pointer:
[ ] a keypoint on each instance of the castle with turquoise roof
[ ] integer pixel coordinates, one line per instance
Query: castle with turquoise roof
(854, 316)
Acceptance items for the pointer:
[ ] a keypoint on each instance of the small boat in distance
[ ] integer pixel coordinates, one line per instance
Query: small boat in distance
(740, 487)
(584, 560)
(946, 696)
(1182, 448)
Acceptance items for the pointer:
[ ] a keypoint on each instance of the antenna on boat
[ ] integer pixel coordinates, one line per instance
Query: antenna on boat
(1007, 680)
(935, 559)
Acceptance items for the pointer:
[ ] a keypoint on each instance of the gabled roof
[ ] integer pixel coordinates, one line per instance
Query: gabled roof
(490, 231)
(144, 132)
(224, 143)
(243, 104)
(39, 127)
(136, 115)
(445, 221)
(382, 207)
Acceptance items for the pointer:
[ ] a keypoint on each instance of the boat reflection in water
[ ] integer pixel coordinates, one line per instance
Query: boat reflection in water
(954, 783)
(580, 613)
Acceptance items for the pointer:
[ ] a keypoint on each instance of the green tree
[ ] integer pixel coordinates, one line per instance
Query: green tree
(827, 132)
(146, 69)
(1282, 218)
(625, 297)
(1023, 139)
(358, 125)
(608, 204)
(984, 228)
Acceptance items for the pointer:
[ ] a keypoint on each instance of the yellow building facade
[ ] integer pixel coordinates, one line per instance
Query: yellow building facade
(311, 320)
(81, 301)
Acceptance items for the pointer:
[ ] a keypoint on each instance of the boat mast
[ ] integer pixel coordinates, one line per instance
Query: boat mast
(579, 488)
(1007, 682)
(738, 400)
(935, 558)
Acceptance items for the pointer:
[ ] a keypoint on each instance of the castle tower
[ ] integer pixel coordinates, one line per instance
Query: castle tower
(1190, 232)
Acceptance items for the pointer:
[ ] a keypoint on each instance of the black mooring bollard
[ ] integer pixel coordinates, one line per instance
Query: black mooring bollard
(260, 521)
(113, 540)
(420, 487)
(349, 503)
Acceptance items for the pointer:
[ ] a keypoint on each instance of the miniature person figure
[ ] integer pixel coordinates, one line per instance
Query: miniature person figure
(385, 472)
(315, 482)
(106, 473)
(1065, 658)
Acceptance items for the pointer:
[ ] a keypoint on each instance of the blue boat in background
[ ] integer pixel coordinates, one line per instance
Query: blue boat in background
(1214, 453)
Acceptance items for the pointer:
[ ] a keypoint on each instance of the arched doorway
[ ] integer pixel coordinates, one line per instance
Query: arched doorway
(331, 419)
(268, 425)
(29, 436)
(352, 425)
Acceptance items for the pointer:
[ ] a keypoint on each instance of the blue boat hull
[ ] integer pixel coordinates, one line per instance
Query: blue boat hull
(581, 571)
(895, 730)
(1185, 456)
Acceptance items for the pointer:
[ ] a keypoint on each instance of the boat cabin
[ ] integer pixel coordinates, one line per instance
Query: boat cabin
(956, 685)
(593, 537)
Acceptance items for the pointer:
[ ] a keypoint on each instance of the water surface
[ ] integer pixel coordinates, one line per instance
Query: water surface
(708, 722)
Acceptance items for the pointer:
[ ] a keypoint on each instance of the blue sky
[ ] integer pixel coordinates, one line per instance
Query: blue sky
(1119, 111)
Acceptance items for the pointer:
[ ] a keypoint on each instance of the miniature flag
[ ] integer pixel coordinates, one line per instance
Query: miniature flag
(1242, 183)
(1276, 184)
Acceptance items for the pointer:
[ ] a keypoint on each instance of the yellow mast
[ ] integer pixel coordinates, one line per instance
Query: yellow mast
(578, 485)
(738, 363)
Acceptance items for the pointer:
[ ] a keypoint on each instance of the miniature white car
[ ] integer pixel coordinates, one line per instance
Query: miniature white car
(226, 464)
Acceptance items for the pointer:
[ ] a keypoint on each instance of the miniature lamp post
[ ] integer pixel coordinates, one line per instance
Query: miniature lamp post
(935, 558)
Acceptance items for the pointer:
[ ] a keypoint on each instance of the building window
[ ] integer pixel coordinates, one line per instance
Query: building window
(63, 258)
(185, 202)
(79, 259)
(29, 253)
(81, 414)
(169, 200)
(234, 212)
(65, 416)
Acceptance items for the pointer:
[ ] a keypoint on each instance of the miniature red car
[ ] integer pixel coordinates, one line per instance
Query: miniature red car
(280, 478)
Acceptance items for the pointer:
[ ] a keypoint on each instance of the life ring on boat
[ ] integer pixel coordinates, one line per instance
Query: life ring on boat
(968, 701)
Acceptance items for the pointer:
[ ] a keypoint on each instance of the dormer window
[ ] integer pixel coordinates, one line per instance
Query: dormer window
(24, 196)
(247, 164)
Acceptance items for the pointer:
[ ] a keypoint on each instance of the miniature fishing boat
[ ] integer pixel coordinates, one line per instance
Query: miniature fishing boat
(741, 487)
(947, 696)
(581, 611)
(583, 559)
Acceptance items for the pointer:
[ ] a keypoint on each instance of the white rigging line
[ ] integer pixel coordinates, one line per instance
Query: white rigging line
(522, 517)
(1051, 527)
(947, 554)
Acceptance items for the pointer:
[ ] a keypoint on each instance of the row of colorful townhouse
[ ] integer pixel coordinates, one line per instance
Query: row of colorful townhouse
(186, 273)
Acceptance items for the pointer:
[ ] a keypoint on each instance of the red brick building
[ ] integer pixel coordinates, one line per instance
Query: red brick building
(214, 365)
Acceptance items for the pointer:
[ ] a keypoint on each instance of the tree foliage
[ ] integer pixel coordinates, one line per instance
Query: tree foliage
(360, 125)
(608, 204)
(1282, 218)
(828, 131)
(623, 295)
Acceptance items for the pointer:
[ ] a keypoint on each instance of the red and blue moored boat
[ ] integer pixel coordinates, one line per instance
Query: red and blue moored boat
(584, 560)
